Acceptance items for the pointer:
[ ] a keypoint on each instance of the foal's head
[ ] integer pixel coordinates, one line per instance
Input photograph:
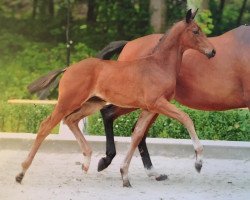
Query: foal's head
(194, 38)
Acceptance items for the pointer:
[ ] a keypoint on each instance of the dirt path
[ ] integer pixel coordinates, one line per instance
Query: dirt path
(59, 176)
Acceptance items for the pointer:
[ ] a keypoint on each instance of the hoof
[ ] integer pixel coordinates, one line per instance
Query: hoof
(19, 177)
(198, 166)
(85, 168)
(162, 177)
(103, 164)
(127, 184)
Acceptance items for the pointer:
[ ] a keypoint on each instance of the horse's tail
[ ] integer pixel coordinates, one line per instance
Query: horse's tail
(111, 49)
(45, 81)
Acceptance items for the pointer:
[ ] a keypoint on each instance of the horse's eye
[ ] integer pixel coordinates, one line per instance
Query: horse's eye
(196, 32)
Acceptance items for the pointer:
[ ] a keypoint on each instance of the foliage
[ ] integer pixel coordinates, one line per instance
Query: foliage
(228, 125)
(22, 118)
(176, 10)
(205, 21)
(118, 20)
(22, 62)
(227, 18)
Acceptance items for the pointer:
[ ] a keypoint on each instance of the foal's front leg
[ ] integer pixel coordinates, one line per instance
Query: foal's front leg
(138, 133)
(162, 106)
(143, 150)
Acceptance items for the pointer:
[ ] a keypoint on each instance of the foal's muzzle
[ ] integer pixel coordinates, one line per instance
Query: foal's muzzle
(211, 54)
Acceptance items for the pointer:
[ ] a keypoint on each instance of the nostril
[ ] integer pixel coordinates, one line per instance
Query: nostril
(213, 52)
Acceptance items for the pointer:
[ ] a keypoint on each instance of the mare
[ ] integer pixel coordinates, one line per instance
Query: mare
(147, 83)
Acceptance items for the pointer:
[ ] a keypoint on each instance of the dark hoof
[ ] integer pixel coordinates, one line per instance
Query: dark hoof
(198, 166)
(19, 177)
(162, 177)
(127, 184)
(103, 164)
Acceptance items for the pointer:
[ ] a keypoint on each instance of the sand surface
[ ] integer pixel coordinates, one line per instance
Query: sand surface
(59, 177)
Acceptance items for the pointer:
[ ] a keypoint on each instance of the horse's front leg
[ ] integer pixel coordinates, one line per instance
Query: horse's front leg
(109, 114)
(138, 133)
(143, 150)
(162, 106)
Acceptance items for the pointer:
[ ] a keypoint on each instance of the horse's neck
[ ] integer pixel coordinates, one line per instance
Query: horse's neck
(169, 51)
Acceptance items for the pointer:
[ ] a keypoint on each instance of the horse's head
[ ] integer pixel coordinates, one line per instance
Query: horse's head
(194, 38)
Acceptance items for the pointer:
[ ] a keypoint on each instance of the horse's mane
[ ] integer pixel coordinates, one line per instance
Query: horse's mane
(162, 39)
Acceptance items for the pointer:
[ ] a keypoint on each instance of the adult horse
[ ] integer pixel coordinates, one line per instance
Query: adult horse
(147, 83)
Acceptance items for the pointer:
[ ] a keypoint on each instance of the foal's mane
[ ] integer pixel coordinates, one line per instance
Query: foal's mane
(175, 30)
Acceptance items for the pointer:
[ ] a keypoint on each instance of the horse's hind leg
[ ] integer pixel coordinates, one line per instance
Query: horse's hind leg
(162, 106)
(72, 121)
(109, 114)
(45, 127)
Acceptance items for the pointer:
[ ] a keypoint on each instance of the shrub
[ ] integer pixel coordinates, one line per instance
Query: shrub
(23, 118)
(227, 125)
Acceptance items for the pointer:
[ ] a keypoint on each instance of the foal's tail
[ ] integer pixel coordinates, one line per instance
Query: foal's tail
(106, 53)
(45, 81)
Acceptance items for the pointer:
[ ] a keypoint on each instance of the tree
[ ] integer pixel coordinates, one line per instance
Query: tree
(241, 12)
(91, 13)
(158, 15)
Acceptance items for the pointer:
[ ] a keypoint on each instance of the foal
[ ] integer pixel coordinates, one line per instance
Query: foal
(148, 83)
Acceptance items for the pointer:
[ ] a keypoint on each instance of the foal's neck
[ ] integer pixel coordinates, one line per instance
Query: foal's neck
(169, 51)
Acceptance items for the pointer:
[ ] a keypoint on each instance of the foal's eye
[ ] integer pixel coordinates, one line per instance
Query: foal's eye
(196, 32)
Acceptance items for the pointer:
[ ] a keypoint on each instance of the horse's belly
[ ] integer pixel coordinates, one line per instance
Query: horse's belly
(214, 99)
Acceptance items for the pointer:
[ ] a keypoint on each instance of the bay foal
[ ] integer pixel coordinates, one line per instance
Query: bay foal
(147, 83)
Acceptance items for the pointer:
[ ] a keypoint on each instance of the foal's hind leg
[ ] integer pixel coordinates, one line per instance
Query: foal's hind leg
(46, 126)
(72, 121)
(162, 106)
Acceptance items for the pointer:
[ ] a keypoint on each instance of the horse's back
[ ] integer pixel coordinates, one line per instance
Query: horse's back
(242, 34)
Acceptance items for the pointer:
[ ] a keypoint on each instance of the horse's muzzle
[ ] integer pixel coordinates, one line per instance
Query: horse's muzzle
(211, 54)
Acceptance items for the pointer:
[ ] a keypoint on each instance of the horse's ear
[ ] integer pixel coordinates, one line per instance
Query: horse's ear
(189, 16)
(194, 13)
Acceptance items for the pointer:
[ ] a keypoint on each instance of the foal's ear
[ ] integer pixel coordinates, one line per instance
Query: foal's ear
(189, 16)
(194, 13)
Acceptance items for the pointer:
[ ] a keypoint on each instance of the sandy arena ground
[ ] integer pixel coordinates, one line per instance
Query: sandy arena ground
(59, 176)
